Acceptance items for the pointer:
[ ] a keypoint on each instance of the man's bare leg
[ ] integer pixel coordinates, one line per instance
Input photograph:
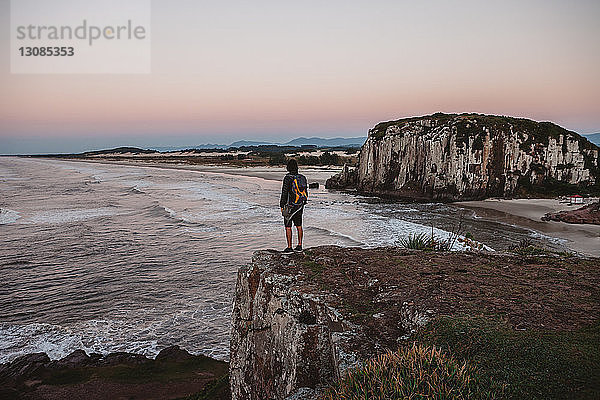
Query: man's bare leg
(300, 233)
(288, 236)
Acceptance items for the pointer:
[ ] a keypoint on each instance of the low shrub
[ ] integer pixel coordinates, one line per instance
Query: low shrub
(526, 247)
(417, 372)
(422, 241)
(416, 241)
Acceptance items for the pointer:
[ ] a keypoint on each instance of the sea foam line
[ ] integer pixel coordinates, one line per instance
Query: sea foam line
(8, 216)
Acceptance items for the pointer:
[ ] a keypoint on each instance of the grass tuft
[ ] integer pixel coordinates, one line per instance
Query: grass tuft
(526, 247)
(417, 372)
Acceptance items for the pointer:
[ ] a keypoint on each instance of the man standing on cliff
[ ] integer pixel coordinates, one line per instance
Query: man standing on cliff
(294, 193)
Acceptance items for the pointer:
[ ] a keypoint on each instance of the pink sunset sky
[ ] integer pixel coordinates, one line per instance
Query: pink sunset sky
(275, 70)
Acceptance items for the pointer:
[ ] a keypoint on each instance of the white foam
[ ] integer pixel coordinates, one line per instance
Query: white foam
(390, 230)
(345, 238)
(62, 216)
(53, 340)
(551, 239)
(184, 216)
(95, 336)
(8, 216)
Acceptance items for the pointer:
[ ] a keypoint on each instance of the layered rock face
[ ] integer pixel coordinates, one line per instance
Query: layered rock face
(471, 156)
(281, 339)
(301, 321)
(288, 338)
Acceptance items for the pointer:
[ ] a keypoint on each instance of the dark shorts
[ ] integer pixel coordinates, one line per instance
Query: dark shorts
(296, 219)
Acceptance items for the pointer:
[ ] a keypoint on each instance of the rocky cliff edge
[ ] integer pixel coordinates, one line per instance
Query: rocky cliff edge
(300, 321)
(453, 157)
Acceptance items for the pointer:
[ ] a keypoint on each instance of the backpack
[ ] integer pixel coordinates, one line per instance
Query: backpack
(299, 194)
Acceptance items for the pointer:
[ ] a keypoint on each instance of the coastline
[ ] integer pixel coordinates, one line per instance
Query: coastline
(172, 374)
(527, 213)
(266, 172)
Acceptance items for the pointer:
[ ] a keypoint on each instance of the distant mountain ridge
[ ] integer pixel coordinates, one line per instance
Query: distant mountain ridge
(298, 142)
(333, 142)
(249, 143)
(303, 141)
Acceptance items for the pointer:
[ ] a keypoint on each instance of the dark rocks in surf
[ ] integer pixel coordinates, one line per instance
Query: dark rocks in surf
(24, 367)
(589, 214)
(173, 353)
(125, 374)
(344, 180)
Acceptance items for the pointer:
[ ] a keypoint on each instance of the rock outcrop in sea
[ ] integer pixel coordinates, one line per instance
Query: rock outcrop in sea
(589, 214)
(451, 157)
(173, 374)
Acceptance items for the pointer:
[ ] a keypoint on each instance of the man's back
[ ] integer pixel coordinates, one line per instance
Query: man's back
(294, 193)
(294, 190)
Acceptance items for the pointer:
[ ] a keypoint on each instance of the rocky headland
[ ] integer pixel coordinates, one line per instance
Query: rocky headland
(528, 320)
(451, 157)
(173, 374)
(589, 214)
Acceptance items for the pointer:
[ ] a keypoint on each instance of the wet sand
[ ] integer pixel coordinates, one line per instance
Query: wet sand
(584, 239)
(527, 213)
(272, 173)
(313, 174)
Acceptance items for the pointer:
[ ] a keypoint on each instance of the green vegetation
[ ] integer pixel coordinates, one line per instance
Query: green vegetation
(152, 371)
(379, 130)
(551, 187)
(277, 159)
(314, 266)
(526, 325)
(417, 372)
(218, 390)
(526, 247)
(523, 364)
(416, 241)
(326, 158)
(481, 358)
(422, 241)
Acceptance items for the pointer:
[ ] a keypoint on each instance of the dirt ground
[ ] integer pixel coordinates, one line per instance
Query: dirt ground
(380, 287)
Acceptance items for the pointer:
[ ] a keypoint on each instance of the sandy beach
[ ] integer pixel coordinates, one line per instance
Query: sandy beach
(527, 213)
(273, 173)
(584, 239)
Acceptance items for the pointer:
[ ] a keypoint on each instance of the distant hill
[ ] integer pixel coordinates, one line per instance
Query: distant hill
(334, 142)
(302, 141)
(120, 150)
(299, 142)
(249, 143)
(593, 137)
(211, 146)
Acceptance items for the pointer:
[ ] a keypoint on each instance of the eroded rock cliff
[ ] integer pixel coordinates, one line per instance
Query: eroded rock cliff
(282, 338)
(472, 156)
(302, 320)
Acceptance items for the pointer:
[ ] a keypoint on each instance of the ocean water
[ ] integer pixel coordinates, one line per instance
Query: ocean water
(106, 257)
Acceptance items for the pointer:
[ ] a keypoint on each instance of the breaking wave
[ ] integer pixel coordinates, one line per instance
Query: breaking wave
(8, 216)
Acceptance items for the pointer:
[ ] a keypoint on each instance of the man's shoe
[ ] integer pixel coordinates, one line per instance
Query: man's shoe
(288, 250)
(298, 249)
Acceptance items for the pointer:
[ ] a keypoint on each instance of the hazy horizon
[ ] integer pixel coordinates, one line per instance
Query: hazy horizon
(275, 71)
(29, 145)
